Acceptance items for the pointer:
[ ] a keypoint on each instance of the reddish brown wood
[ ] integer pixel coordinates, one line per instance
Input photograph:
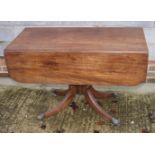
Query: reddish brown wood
(93, 103)
(85, 90)
(60, 92)
(68, 98)
(99, 94)
(78, 56)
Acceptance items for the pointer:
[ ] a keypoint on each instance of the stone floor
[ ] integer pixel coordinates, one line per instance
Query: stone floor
(19, 107)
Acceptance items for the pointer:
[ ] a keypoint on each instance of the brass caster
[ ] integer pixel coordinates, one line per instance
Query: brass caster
(42, 125)
(115, 121)
(40, 116)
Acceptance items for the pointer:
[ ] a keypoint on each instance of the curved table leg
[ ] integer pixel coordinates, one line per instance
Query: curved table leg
(63, 104)
(60, 92)
(99, 94)
(93, 103)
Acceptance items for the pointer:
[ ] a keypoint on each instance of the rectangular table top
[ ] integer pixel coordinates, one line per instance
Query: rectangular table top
(78, 55)
(85, 39)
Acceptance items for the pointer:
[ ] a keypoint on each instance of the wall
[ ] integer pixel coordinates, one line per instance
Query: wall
(10, 29)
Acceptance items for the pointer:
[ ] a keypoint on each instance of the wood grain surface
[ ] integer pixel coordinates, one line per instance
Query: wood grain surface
(80, 56)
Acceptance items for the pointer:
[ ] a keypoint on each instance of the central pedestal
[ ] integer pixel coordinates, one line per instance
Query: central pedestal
(90, 94)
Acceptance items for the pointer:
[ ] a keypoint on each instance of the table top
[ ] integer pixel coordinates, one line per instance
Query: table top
(80, 39)
(78, 56)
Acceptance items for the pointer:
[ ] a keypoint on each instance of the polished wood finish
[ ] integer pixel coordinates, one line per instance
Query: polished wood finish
(67, 100)
(93, 103)
(85, 90)
(59, 92)
(78, 56)
(98, 94)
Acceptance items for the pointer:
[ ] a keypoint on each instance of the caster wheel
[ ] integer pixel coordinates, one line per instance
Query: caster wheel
(42, 125)
(41, 116)
(115, 121)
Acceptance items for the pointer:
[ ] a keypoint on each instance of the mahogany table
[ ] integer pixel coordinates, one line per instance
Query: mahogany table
(80, 57)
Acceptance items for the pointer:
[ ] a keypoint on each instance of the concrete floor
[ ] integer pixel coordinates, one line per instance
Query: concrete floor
(142, 88)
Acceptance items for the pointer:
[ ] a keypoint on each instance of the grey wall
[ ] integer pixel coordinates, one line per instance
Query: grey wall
(10, 29)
